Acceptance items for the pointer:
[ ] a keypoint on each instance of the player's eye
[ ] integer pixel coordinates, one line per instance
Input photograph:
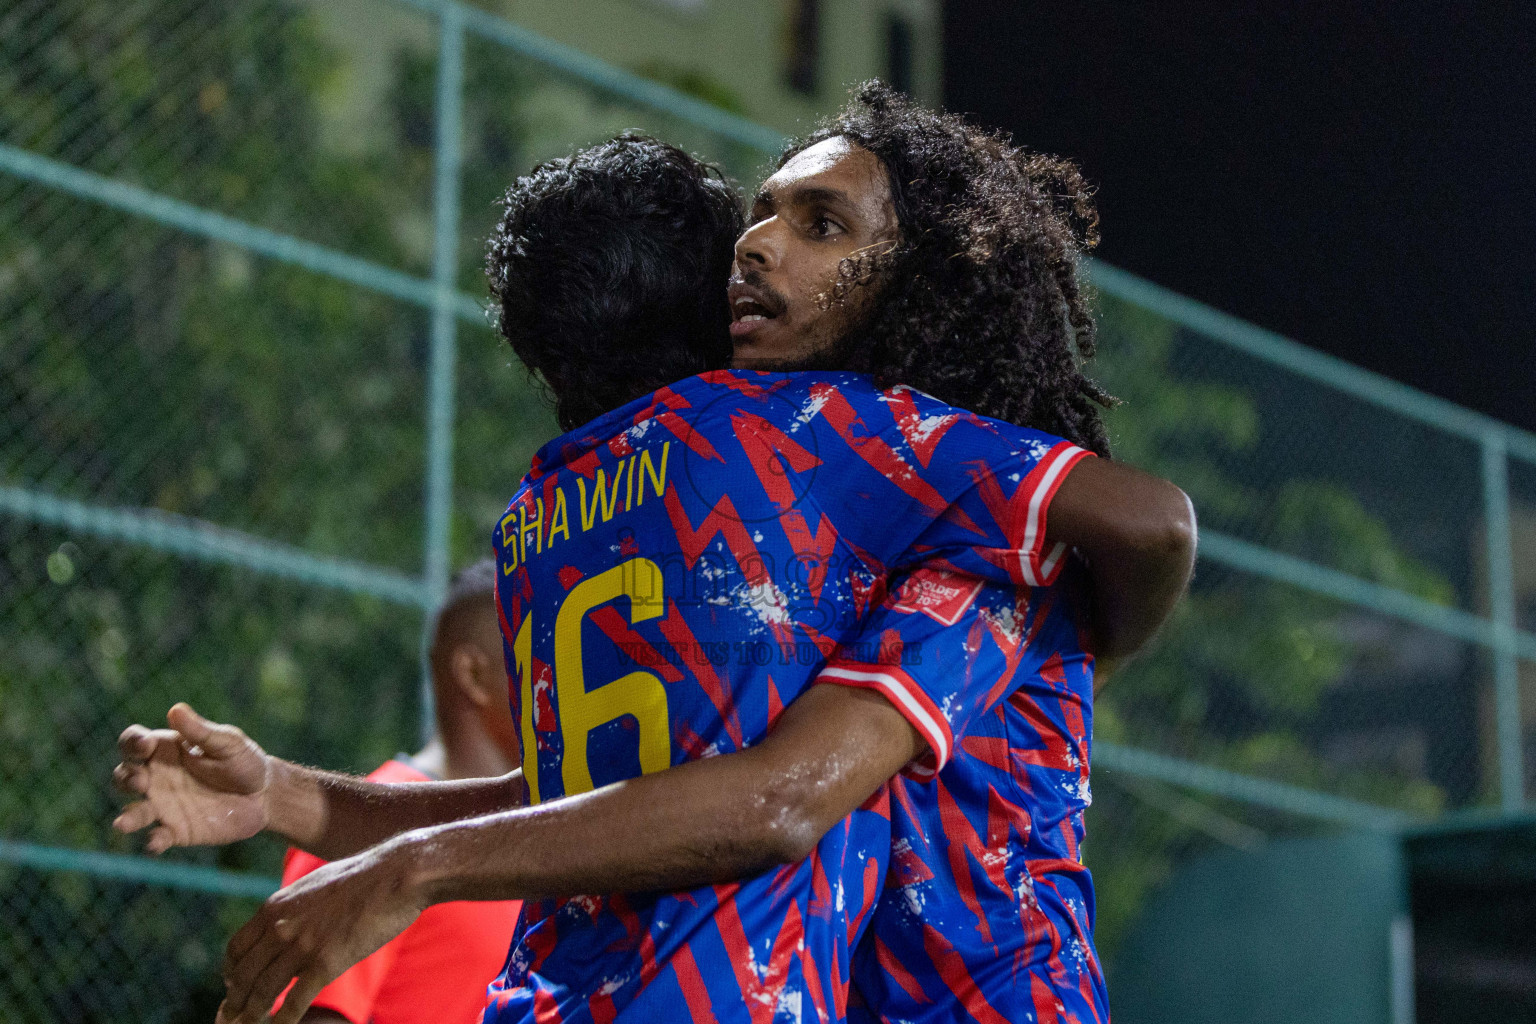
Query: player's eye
(822, 226)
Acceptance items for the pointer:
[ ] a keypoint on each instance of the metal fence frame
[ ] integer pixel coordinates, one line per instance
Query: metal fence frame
(197, 539)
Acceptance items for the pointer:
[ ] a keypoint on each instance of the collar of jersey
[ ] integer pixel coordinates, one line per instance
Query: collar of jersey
(576, 443)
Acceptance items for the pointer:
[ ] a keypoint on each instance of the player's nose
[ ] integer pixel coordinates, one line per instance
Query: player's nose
(759, 246)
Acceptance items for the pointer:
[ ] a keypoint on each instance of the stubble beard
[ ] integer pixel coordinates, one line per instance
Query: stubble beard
(849, 328)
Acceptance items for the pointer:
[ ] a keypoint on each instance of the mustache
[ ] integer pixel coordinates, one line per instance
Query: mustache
(772, 298)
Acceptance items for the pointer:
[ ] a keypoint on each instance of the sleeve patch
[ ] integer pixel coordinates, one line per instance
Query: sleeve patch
(941, 595)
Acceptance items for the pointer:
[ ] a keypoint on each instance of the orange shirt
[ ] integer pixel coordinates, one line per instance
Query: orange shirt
(436, 970)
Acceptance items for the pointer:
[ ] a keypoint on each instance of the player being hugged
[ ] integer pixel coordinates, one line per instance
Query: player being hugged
(676, 572)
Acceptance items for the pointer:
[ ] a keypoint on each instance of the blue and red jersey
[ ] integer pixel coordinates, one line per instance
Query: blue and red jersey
(987, 912)
(670, 577)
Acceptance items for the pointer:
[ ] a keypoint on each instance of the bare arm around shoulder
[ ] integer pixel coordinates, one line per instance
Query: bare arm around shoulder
(715, 820)
(1137, 533)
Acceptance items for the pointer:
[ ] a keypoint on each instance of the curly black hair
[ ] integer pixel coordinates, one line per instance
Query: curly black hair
(979, 303)
(609, 269)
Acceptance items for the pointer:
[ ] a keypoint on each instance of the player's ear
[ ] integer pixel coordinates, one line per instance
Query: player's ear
(469, 666)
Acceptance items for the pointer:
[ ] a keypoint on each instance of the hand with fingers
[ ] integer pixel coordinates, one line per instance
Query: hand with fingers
(316, 928)
(198, 782)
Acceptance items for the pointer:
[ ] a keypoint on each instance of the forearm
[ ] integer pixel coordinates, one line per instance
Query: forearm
(333, 815)
(651, 833)
(1134, 591)
(1137, 535)
(716, 820)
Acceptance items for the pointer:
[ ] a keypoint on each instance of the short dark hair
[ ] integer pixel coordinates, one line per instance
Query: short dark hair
(609, 270)
(980, 303)
(472, 589)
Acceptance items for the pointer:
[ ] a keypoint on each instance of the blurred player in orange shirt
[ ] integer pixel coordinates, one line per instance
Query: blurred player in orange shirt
(438, 969)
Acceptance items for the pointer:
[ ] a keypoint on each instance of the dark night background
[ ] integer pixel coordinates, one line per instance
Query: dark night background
(1358, 176)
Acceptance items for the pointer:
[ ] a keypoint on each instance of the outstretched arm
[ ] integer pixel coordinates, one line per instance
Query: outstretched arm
(715, 820)
(206, 784)
(1137, 534)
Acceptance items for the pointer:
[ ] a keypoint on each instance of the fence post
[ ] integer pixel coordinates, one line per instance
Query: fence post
(1501, 607)
(440, 369)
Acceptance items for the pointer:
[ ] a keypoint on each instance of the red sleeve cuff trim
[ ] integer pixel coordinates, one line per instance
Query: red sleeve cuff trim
(1039, 567)
(906, 697)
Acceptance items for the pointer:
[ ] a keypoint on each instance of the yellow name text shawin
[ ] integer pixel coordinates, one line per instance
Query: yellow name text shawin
(531, 529)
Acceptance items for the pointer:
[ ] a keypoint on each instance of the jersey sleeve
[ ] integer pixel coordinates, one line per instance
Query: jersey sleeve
(995, 525)
(921, 482)
(944, 649)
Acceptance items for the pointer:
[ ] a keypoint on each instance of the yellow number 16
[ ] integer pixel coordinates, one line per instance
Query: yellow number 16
(581, 709)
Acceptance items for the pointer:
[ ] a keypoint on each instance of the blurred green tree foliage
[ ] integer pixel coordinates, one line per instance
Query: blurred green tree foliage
(1238, 675)
(148, 368)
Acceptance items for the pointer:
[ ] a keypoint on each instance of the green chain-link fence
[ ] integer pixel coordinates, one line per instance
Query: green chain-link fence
(250, 413)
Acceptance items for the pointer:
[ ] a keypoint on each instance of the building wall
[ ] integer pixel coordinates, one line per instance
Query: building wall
(742, 45)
